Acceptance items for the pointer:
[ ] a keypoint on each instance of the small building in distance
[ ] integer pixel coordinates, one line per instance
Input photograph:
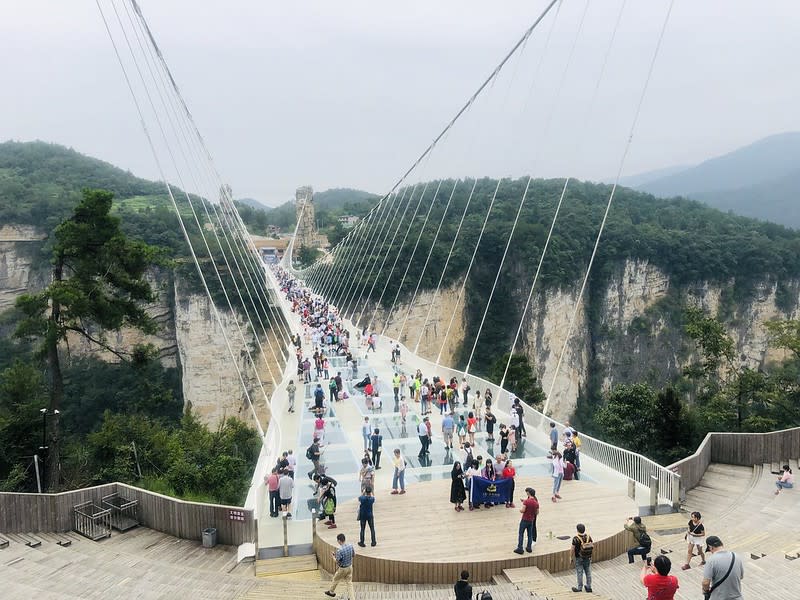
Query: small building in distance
(349, 221)
(270, 249)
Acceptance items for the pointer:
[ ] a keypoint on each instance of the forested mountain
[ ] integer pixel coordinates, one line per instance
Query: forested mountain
(105, 406)
(694, 246)
(761, 180)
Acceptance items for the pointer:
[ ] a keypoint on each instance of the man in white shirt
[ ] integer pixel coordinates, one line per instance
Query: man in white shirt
(424, 439)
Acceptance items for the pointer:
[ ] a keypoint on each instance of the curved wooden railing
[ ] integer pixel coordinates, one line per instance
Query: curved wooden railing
(744, 449)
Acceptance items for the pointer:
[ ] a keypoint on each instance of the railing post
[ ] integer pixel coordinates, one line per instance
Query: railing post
(653, 493)
(285, 537)
(676, 491)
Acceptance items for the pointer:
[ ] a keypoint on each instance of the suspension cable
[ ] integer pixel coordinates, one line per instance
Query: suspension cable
(624, 157)
(561, 197)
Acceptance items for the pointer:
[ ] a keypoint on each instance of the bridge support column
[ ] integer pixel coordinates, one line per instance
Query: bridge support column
(653, 493)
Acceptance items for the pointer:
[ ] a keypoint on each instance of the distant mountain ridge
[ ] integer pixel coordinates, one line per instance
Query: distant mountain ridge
(760, 180)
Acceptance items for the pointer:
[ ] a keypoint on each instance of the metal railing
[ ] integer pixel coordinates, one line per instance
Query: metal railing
(124, 512)
(631, 465)
(92, 521)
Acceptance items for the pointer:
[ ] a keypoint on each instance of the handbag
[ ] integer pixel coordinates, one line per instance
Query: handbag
(707, 595)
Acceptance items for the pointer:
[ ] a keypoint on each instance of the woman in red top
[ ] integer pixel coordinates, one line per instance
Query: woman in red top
(509, 472)
(472, 427)
(656, 578)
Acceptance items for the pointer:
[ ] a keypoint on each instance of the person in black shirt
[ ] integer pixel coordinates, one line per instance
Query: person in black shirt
(462, 588)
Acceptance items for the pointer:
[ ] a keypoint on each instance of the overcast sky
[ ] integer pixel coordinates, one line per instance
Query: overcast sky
(347, 93)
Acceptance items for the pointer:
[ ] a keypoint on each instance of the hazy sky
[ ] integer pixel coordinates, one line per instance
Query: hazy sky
(348, 93)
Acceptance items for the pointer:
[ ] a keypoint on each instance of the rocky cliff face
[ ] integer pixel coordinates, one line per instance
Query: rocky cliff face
(629, 334)
(21, 267)
(633, 336)
(190, 336)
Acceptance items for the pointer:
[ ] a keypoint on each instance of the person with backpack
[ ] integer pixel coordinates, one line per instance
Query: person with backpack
(582, 548)
(319, 398)
(312, 454)
(461, 431)
(643, 541)
(333, 390)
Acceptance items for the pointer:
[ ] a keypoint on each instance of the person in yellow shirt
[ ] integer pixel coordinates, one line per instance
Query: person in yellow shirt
(576, 441)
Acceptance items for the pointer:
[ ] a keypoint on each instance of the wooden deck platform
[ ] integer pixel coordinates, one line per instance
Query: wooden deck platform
(422, 539)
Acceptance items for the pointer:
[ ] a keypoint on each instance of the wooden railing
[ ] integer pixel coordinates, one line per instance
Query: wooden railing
(21, 513)
(745, 449)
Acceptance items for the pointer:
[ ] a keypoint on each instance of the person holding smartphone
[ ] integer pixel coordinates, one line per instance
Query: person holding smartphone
(656, 578)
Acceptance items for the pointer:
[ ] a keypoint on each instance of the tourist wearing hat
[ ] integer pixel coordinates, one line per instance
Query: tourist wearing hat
(723, 572)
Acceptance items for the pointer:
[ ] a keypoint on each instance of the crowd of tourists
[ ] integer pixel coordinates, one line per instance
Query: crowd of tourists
(466, 416)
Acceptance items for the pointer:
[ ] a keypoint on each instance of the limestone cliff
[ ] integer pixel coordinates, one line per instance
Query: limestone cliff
(189, 337)
(628, 331)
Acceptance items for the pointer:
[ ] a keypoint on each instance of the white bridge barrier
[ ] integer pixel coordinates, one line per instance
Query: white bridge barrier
(663, 483)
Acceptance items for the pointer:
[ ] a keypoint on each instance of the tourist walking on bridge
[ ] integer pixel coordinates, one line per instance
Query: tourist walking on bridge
(291, 389)
(399, 477)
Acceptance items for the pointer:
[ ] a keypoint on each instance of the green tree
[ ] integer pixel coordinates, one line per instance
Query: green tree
(306, 256)
(22, 395)
(520, 379)
(98, 284)
(629, 417)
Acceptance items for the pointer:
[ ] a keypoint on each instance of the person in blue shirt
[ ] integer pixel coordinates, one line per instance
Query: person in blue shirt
(448, 426)
(365, 515)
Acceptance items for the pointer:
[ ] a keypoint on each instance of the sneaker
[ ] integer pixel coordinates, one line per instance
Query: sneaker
(395, 492)
(519, 551)
(575, 589)
(362, 544)
(329, 593)
(528, 549)
(512, 505)
(702, 563)
(374, 544)
(554, 500)
(685, 567)
(332, 526)
(588, 590)
(558, 496)
(402, 491)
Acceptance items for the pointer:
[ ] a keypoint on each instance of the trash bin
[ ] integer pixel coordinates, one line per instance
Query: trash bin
(209, 537)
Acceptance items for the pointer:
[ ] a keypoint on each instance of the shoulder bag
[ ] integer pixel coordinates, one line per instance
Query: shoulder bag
(707, 595)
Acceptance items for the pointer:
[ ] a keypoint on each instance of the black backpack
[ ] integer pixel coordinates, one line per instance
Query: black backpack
(484, 595)
(644, 540)
(310, 452)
